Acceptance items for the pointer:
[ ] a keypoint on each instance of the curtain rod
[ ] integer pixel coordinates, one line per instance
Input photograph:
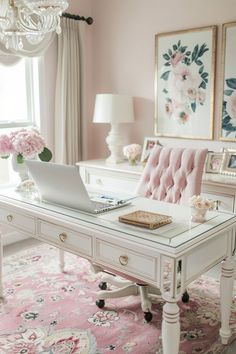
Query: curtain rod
(89, 20)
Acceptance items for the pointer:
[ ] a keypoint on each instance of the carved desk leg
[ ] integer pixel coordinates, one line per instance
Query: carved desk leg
(226, 296)
(170, 328)
(171, 293)
(1, 266)
(62, 260)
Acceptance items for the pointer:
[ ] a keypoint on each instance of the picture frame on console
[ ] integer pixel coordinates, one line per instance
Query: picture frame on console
(148, 144)
(214, 162)
(228, 116)
(184, 83)
(229, 162)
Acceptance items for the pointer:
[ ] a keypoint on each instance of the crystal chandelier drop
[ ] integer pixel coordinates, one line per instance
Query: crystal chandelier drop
(23, 21)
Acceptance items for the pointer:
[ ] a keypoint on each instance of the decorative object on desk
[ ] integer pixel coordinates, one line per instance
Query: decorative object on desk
(229, 162)
(228, 120)
(199, 207)
(47, 311)
(114, 109)
(132, 152)
(184, 81)
(23, 144)
(149, 143)
(28, 189)
(214, 162)
(146, 219)
(27, 22)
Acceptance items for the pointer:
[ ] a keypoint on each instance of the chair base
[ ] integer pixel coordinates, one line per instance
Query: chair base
(148, 294)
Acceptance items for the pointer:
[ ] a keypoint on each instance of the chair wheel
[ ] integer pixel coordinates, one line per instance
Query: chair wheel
(103, 285)
(148, 316)
(100, 303)
(185, 297)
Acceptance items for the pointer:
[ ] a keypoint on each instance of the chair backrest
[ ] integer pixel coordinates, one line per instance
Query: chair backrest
(172, 174)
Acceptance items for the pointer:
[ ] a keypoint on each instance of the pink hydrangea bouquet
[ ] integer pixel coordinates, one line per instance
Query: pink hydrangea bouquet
(26, 144)
(132, 152)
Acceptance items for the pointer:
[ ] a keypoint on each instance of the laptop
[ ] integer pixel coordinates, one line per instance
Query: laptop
(62, 184)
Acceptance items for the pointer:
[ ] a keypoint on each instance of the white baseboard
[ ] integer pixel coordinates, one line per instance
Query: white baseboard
(12, 237)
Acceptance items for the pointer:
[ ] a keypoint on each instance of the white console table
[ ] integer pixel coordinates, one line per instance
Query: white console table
(123, 177)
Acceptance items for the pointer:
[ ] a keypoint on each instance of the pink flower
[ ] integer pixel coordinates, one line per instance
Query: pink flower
(176, 58)
(191, 93)
(132, 151)
(231, 106)
(201, 96)
(28, 143)
(169, 107)
(6, 147)
(181, 113)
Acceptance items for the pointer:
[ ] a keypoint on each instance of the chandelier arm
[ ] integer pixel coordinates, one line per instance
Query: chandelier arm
(23, 21)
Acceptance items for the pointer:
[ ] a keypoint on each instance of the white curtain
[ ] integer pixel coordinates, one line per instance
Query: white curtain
(68, 103)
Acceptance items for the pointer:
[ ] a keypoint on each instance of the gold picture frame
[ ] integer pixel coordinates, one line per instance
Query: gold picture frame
(184, 83)
(228, 117)
(214, 162)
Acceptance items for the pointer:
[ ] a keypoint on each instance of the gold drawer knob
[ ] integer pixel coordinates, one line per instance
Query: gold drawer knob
(9, 218)
(124, 260)
(63, 237)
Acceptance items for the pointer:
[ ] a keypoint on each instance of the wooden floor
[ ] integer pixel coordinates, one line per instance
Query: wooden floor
(15, 247)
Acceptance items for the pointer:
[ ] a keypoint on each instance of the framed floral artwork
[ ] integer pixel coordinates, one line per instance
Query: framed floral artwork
(214, 162)
(184, 83)
(148, 145)
(228, 118)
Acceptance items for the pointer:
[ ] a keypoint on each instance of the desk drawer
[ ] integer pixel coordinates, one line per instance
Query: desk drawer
(17, 220)
(69, 239)
(127, 260)
(110, 180)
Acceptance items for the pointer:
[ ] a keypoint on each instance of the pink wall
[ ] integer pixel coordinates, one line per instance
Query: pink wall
(122, 45)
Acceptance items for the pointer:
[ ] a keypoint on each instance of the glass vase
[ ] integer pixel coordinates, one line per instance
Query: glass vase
(132, 162)
(198, 215)
(20, 168)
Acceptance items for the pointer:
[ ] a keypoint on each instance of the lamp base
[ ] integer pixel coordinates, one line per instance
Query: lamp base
(115, 144)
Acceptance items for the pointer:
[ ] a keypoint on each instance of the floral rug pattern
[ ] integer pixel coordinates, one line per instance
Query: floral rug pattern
(46, 311)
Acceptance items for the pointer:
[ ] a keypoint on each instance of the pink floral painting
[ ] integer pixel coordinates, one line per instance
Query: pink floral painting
(229, 79)
(184, 83)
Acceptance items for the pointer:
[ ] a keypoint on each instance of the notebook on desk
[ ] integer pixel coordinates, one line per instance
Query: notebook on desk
(62, 184)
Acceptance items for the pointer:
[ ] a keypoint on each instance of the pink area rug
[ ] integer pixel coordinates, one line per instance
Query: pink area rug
(53, 313)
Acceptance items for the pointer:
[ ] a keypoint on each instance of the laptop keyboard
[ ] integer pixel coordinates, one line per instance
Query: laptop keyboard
(100, 205)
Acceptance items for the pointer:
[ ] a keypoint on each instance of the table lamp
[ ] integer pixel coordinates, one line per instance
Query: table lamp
(114, 109)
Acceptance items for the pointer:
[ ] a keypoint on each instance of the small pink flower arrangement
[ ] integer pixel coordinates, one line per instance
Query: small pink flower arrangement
(6, 147)
(132, 152)
(26, 144)
(198, 202)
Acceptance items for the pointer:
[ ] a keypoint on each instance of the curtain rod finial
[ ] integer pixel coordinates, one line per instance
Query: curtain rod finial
(89, 20)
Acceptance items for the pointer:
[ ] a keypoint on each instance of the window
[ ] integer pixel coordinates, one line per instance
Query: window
(19, 101)
(19, 93)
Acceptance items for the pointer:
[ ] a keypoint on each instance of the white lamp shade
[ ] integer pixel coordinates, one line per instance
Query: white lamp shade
(113, 109)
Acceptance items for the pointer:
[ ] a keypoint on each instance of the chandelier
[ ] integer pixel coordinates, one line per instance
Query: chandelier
(28, 21)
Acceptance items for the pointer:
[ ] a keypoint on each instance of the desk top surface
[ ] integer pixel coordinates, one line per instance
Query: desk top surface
(179, 234)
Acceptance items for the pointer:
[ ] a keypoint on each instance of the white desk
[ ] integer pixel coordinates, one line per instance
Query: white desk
(182, 250)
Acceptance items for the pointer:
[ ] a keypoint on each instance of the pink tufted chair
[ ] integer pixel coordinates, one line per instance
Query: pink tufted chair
(172, 175)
